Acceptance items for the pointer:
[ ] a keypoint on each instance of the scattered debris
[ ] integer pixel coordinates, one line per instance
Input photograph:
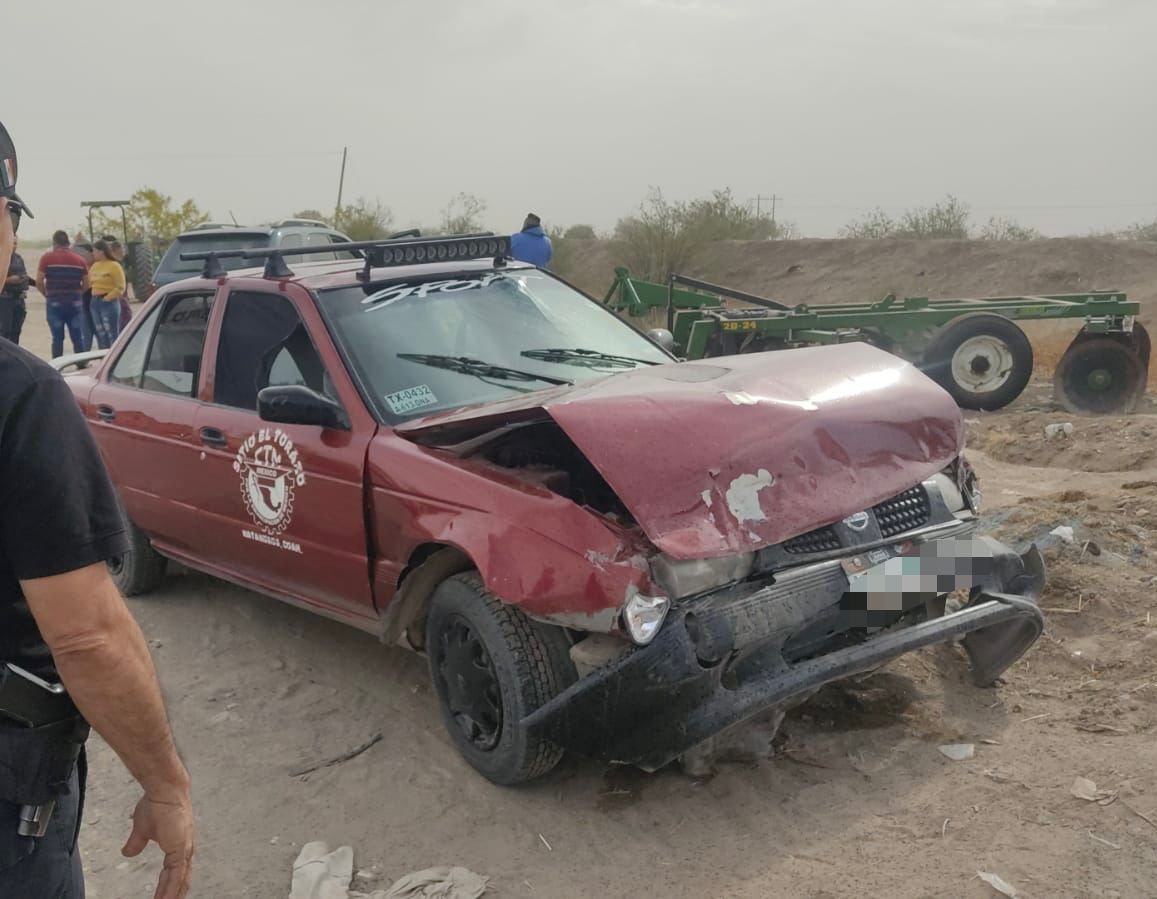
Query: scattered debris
(1061, 429)
(1101, 840)
(1138, 485)
(999, 884)
(990, 742)
(1083, 788)
(1140, 815)
(337, 760)
(1064, 532)
(319, 873)
(958, 752)
(1038, 717)
(1101, 729)
(998, 777)
(944, 828)
(436, 883)
(549, 848)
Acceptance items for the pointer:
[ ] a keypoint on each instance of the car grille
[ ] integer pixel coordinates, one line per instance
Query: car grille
(821, 540)
(903, 512)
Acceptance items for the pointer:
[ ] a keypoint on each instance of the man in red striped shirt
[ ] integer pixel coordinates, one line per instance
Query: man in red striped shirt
(61, 277)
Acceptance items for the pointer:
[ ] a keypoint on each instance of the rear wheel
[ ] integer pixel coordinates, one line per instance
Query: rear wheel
(983, 360)
(492, 666)
(141, 569)
(1101, 375)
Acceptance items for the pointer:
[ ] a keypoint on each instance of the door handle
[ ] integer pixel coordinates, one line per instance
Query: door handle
(213, 437)
(106, 413)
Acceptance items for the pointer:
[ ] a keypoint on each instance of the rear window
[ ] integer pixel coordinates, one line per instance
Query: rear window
(206, 243)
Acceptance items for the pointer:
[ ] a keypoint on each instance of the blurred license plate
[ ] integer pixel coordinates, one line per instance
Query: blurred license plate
(857, 567)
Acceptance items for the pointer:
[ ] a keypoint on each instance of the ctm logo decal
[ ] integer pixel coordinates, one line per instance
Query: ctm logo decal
(270, 473)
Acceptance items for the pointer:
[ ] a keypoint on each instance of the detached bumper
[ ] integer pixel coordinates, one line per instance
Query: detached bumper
(729, 656)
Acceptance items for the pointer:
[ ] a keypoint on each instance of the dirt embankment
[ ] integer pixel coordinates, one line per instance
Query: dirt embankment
(828, 271)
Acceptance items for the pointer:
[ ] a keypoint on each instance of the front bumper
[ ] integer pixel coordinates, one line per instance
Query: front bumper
(726, 657)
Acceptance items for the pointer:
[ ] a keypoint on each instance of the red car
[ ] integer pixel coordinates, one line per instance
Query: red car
(598, 547)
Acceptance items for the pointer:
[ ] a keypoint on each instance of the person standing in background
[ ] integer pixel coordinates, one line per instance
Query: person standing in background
(531, 243)
(106, 277)
(61, 278)
(13, 310)
(118, 252)
(83, 248)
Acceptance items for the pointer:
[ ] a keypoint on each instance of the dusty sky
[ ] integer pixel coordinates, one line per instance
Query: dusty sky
(1044, 110)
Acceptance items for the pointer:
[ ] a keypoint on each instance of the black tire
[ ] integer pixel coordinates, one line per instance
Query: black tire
(515, 665)
(141, 569)
(142, 264)
(963, 353)
(1101, 375)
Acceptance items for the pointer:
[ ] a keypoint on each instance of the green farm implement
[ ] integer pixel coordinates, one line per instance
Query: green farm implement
(972, 347)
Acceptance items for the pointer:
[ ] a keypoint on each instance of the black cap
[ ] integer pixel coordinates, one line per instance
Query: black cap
(8, 173)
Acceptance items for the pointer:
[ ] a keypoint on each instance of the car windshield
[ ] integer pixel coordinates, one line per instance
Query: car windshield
(428, 346)
(203, 244)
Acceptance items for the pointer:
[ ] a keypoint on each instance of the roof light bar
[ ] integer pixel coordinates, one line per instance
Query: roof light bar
(377, 253)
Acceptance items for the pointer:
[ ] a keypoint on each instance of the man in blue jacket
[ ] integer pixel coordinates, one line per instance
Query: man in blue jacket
(531, 243)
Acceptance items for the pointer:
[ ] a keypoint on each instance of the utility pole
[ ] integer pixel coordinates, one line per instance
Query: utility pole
(759, 206)
(340, 186)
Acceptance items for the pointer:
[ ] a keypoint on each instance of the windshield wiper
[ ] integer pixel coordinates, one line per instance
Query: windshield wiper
(469, 366)
(580, 356)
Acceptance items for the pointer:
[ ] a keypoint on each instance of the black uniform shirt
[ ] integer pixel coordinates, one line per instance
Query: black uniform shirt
(58, 508)
(15, 291)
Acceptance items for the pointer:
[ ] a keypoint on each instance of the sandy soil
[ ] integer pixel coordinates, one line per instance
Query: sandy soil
(858, 801)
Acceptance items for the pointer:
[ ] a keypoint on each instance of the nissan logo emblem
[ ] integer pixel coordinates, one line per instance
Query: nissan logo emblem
(857, 522)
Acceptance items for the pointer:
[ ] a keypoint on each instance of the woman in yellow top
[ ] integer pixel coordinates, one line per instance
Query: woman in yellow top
(106, 278)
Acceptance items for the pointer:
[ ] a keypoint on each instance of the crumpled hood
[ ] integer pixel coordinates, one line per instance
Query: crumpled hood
(736, 453)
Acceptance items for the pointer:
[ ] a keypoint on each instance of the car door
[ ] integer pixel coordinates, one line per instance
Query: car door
(283, 506)
(142, 412)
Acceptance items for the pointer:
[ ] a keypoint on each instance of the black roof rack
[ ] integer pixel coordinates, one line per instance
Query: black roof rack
(405, 248)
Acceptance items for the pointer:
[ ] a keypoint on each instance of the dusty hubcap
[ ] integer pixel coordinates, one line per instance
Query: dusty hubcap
(1100, 379)
(470, 683)
(982, 364)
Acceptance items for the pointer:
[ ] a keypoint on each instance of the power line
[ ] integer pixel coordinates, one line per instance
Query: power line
(281, 154)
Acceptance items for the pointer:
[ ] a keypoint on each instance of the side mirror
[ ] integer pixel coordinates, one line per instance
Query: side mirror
(663, 337)
(297, 405)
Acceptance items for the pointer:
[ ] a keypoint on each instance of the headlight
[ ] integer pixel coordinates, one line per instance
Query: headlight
(686, 577)
(643, 616)
(958, 487)
(950, 493)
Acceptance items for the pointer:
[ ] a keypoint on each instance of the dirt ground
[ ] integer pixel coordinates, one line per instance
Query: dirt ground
(857, 802)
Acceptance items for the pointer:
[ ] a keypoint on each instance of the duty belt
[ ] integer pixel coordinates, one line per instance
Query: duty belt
(41, 735)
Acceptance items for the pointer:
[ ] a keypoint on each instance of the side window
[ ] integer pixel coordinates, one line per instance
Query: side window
(340, 254)
(129, 368)
(164, 355)
(318, 239)
(264, 343)
(289, 241)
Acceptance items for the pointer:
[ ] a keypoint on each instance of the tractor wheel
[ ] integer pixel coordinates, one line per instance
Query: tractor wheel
(142, 263)
(1101, 375)
(492, 666)
(983, 360)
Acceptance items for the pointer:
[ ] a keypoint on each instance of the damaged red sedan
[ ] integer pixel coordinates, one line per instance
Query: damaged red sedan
(599, 548)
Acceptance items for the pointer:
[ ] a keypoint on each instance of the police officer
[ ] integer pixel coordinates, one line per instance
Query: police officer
(62, 619)
(13, 291)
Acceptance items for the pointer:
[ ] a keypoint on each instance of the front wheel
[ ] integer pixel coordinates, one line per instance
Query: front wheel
(141, 569)
(492, 666)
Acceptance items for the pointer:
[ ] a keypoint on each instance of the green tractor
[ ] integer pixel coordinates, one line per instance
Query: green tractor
(140, 252)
